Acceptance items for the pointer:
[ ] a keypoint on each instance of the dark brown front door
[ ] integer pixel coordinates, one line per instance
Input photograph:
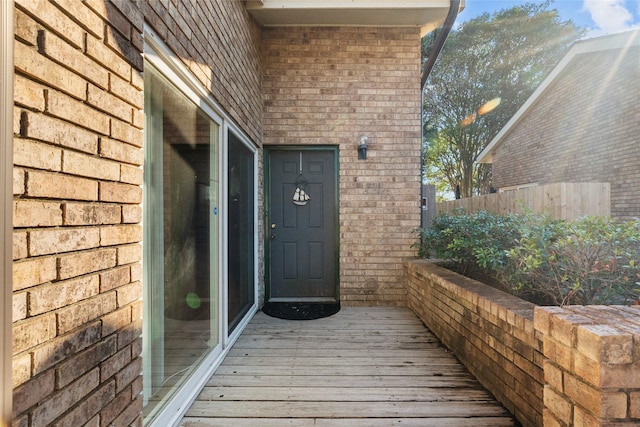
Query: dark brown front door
(301, 224)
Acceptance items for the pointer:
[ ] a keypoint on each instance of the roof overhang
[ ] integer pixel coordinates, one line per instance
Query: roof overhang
(615, 41)
(425, 14)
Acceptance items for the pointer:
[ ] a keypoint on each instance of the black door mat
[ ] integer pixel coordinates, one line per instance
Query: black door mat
(300, 310)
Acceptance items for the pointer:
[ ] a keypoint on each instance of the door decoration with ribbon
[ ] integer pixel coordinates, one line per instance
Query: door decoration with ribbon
(300, 195)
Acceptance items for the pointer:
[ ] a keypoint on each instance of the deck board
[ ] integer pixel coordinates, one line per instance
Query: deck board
(361, 367)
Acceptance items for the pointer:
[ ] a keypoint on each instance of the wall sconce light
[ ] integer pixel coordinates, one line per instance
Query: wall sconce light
(362, 147)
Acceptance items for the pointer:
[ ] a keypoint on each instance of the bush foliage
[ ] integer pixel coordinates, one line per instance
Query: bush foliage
(592, 260)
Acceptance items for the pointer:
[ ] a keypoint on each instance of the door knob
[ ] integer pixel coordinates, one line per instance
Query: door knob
(273, 236)
(273, 226)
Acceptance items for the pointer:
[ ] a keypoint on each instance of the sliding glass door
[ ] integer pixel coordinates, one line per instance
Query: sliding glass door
(181, 240)
(241, 240)
(200, 244)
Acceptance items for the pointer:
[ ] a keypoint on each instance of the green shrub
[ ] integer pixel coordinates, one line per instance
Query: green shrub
(469, 240)
(592, 260)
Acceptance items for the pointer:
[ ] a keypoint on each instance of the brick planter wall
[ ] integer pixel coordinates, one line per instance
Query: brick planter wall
(490, 331)
(551, 366)
(592, 366)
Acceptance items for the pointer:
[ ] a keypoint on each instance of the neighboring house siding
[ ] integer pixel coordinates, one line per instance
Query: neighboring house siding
(584, 127)
(77, 186)
(328, 86)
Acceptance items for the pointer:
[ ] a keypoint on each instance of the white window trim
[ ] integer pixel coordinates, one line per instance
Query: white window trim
(6, 219)
(166, 62)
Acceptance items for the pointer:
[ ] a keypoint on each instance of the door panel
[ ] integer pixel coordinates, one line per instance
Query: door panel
(181, 243)
(241, 254)
(302, 237)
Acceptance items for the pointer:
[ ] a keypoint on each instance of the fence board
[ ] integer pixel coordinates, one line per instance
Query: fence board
(564, 200)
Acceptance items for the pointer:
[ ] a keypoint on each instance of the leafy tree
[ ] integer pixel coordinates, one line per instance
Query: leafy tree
(487, 69)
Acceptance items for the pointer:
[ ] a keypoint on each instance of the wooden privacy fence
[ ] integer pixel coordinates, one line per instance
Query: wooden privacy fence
(563, 200)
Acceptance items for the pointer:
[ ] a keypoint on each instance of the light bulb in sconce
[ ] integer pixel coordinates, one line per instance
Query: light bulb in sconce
(362, 147)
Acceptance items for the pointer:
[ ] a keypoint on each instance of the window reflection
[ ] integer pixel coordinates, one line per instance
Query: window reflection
(181, 246)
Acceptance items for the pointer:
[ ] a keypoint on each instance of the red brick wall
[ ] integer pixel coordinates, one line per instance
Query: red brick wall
(328, 86)
(584, 128)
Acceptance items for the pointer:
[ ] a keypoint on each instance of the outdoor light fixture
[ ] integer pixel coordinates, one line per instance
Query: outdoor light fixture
(362, 148)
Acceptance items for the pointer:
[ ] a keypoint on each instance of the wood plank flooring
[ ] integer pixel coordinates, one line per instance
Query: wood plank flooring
(361, 367)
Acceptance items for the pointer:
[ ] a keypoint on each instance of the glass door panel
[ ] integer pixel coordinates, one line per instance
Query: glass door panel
(181, 240)
(241, 295)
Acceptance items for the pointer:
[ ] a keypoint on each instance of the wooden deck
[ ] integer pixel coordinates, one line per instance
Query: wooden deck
(361, 367)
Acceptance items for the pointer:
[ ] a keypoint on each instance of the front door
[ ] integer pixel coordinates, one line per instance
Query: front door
(302, 224)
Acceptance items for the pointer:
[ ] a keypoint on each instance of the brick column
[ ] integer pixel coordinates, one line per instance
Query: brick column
(592, 366)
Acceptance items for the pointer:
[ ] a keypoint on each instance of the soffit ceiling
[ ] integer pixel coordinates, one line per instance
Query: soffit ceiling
(426, 14)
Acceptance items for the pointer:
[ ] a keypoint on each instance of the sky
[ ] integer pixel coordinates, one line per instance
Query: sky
(601, 17)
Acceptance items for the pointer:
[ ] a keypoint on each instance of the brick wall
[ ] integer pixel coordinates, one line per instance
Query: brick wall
(218, 42)
(78, 154)
(328, 86)
(584, 128)
(551, 366)
(592, 366)
(492, 333)
(77, 193)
